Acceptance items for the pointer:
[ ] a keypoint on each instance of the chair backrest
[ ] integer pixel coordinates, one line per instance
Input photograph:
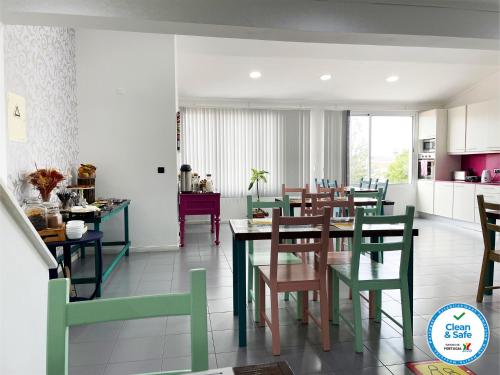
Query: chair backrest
(365, 183)
(306, 206)
(333, 184)
(486, 227)
(285, 189)
(376, 195)
(320, 247)
(344, 206)
(62, 314)
(359, 246)
(283, 204)
(384, 184)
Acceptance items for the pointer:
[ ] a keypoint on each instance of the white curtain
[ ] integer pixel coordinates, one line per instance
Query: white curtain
(228, 142)
(335, 145)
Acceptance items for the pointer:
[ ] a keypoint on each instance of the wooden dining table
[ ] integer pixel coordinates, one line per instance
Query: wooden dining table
(249, 230)
(492, 217)
(358, 202)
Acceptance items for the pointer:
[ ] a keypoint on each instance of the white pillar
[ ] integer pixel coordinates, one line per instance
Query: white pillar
(317, 144)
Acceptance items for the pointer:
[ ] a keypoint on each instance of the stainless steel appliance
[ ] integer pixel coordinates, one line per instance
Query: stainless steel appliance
(428, 145)
(426, 165)
(459, 175)
(472, 179)
(186, 183)
(486, 176)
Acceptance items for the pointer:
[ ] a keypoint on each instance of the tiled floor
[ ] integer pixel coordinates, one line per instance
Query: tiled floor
(447, 264)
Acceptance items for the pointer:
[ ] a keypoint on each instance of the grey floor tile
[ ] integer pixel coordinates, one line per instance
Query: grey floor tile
(343, 357)
(138, 349)
(95, 332)
(90, 353)
(183, 363)
(87, 370)
(365, 371)
(392, 352)
(136, 367)
(144, 328)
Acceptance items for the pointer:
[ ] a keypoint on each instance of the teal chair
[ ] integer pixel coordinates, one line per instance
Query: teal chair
(62, 314)
(373, 276)
(382, 184)
(258, 258)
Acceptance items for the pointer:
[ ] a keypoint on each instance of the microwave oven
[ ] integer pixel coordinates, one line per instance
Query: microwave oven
(428, 145)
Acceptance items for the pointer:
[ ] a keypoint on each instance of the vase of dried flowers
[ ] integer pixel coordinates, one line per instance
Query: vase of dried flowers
(45, 180)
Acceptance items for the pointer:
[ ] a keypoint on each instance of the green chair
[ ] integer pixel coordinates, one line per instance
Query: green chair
(365, 183)
(376, 209)
(384, 184)
(373, 276)
(62, 314)
(258, 258)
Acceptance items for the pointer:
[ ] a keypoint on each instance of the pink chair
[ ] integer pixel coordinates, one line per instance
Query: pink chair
(296, 277)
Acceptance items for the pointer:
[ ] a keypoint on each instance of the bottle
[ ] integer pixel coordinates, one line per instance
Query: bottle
(210, 184)
(196, 183)
(36, 213)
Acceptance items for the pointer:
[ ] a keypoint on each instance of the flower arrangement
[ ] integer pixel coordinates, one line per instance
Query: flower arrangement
(45, 180)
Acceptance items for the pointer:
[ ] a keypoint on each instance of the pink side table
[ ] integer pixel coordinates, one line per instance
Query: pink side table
(200, 204)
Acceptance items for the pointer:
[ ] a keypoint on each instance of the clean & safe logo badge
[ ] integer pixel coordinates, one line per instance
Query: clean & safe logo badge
(458, 334)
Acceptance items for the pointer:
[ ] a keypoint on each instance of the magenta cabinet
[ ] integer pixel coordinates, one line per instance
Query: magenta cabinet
(200, 204)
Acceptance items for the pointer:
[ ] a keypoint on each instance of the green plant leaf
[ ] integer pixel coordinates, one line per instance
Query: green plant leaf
(250, 186)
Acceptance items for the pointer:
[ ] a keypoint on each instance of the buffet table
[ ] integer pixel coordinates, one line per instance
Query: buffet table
(199, 204)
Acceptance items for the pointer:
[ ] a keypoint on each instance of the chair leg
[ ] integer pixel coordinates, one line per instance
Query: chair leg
(378, 306)
(315, 295)
(299, 302)
(335, 298)
(323, 305)
(305, 307)
(256, 295)
(287, 296)
(262, 301)
(482, 278)
(405, 307)
(250, 280)
(275, 323)
(358, 329)
(329, 282)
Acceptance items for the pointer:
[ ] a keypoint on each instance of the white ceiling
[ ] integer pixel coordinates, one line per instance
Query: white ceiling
(216, 68)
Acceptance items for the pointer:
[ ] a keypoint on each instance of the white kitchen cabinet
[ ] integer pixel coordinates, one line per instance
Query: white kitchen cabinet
(491, 194)
(425, 196)
(427, 121)
(483, 126)
(443, 199)
(463, 201)
(456, 129)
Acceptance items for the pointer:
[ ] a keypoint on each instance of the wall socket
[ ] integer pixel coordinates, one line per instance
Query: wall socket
(496, 171)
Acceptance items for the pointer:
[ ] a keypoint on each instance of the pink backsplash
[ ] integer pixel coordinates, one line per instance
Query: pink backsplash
(479, 162)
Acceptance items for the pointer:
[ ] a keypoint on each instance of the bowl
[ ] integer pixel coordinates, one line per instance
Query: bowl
(74, 235)
(75, 224)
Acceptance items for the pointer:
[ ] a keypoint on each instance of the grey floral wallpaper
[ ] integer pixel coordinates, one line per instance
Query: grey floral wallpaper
(40, 65)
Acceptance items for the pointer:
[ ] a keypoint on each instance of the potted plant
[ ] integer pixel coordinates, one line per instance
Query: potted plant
(258, 176)
(45, 180)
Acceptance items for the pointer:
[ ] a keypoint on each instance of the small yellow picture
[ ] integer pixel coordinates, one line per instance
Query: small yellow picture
(436, 367)
(16, 117)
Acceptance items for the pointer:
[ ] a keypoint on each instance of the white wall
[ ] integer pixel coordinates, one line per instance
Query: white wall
(23, 302)
(3, 122)
(486, 89)
(126, 114)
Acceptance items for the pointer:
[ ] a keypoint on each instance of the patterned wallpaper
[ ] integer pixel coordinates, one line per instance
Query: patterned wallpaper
(40, 65)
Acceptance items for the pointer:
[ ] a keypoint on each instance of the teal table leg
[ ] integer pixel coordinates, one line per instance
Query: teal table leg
(491, 265)
(242, 300)
(98, 268)
(82, 251)
(125, 216)
(235, 279)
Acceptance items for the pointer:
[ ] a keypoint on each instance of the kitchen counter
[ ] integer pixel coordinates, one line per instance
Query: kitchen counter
(494, 183)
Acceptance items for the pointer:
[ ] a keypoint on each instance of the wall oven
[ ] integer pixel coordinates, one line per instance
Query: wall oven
(426, 166)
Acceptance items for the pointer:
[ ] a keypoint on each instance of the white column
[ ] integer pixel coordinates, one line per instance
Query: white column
(317, 144)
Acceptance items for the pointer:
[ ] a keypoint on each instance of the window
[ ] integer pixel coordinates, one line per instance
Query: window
(228, 142)
(380, 147)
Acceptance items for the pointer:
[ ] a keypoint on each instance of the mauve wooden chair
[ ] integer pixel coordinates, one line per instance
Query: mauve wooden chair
(296, 277)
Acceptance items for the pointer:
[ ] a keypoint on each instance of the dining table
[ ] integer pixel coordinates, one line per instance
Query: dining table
(492, 217)
(244, 230)
(358, 202)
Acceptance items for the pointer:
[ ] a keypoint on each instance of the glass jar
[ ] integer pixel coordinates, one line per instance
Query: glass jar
(54, 217)
(209, 184)
(196, 183)
(36, 213)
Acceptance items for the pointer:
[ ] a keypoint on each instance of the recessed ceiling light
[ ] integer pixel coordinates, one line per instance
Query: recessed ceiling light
(325, 77)
(392, 78)
(255, 74)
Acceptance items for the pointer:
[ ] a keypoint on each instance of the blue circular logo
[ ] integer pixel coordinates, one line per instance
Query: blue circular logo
(458, 334)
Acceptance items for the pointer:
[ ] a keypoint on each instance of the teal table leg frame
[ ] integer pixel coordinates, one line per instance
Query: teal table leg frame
(491, 265)
(240, 289)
